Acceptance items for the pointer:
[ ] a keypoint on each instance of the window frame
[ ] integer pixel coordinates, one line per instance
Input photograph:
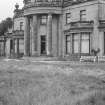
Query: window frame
(21, 26)
(85, 33)
(82, 14)
(73, 40)
(68, 41)
(41, 20)
(68, 17)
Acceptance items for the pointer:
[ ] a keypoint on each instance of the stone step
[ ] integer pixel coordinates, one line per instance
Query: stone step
(73, 57)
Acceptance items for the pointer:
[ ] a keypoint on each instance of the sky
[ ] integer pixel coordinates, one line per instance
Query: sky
(7, 7)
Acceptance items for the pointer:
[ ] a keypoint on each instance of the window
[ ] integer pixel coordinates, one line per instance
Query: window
(21, 26)
(76, 43)
(79, 42)
(27, 1)
(83, 15)
(85, 43)
(43, 20)
(68, 18)
(68, 43)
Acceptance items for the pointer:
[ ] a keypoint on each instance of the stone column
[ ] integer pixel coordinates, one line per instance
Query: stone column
(4, 46)
(27, 37)
(7, 49)
(34, 35)
(49, 35)
(61, 40)
(13, 50)
(17, 47)
(79, 44)
(71, 44)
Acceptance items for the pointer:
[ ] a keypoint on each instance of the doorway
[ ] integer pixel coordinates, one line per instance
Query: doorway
(43, 45)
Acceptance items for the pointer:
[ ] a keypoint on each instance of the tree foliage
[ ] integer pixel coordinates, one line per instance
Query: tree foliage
(4, 25)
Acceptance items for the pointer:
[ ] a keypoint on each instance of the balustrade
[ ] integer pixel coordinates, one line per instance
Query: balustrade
(44, 3)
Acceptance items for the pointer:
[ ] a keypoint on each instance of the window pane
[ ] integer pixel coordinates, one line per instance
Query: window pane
(85, 47)
(76, 47)
(76, 43)
(68, 44)
(21, 26)
(85, 43)
(68, 17)
(76, 36)
(85, 36)
(68, 37)
(68, 47)
(43, 19)
(83, 15)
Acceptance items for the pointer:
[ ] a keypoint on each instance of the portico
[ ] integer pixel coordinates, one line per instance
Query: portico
(34, 31)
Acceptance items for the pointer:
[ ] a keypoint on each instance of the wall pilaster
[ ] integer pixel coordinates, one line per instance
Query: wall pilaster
(49, 35)
(17, 46)
(27, 37)
(34, 36)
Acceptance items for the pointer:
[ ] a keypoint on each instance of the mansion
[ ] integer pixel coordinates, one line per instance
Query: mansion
(58, 28)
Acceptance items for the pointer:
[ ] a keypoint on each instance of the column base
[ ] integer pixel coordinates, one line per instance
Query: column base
(26, 55)
(50, 55)
(35, 54)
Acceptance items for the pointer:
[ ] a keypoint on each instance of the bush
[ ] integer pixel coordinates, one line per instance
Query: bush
(95, 52)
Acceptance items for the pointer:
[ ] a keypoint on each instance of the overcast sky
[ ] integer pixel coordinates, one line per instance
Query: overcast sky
(7, 7)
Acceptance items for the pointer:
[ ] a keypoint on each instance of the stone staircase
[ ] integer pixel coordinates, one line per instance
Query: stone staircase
(43, 58)
(72, 57)
(47, 58)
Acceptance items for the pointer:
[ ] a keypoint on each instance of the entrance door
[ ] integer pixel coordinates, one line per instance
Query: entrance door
(11, 46)
(43, 45)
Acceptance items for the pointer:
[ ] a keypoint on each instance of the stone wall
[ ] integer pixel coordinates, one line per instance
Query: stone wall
(17, 23)
(94, 12)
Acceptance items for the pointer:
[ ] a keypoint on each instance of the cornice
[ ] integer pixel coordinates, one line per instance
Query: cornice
(59, 3)
(67, 3)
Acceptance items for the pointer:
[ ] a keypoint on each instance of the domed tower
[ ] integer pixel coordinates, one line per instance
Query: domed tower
(43, 27)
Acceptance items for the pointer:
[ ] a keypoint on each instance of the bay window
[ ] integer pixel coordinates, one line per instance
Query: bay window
(78, 43)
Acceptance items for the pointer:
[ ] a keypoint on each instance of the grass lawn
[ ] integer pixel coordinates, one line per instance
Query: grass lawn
(51, 83)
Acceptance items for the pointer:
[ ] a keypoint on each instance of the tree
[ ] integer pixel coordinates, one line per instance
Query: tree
(4, 25)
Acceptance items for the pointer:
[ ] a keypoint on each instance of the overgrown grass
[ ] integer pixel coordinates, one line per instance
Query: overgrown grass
(26, 83)
(93, 98)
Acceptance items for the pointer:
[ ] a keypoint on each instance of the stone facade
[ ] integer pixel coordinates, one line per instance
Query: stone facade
(59, 28)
